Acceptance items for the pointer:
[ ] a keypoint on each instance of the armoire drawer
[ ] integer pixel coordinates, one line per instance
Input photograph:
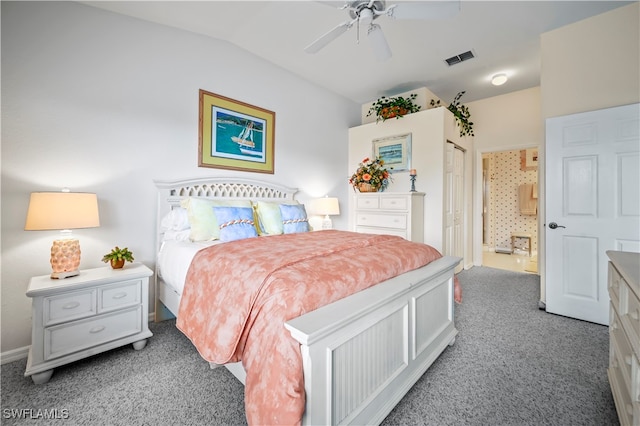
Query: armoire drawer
(630, 316)
(613, 283)
(394, 203)
(624, 405)
(382, 231)
(368, 202)
(397, 221)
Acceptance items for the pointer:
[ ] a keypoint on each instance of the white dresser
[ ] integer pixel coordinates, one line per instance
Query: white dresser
(392, 213)
(77, 317)
(624, 352)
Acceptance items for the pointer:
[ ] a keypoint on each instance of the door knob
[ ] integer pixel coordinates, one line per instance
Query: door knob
(554, 225)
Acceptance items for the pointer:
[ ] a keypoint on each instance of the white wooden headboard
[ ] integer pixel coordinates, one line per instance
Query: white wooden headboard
(170, 193)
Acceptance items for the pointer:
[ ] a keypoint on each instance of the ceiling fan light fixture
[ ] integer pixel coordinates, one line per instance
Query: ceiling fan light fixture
(366, 17)
(499, 79)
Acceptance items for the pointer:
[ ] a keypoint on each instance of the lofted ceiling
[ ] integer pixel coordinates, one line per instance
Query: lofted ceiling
(504, 37)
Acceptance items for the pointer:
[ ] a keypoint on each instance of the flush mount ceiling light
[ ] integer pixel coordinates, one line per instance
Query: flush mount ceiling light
(499, 79)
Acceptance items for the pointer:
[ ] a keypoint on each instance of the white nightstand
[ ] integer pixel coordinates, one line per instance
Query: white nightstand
(77, 317)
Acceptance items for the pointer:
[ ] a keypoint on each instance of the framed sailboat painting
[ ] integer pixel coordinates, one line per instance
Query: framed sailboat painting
(235, 135)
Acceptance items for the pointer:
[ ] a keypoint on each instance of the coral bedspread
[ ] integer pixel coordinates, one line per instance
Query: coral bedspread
(238, 296)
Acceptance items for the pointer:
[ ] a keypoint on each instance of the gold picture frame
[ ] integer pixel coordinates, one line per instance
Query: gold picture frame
(235, 135)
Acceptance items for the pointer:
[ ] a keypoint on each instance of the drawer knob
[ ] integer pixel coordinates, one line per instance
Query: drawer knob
(119, 295)
(97, 329)
(71, 305)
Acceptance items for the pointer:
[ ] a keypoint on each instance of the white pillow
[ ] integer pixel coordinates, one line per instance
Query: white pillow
(175, 220)
(176, 235)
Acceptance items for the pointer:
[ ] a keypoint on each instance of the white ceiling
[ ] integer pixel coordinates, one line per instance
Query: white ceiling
(503, 35)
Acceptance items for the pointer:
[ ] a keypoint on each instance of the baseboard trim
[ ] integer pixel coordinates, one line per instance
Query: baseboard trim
(14, 355)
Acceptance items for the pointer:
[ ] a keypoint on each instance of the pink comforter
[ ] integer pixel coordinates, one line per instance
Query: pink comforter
(238, 295)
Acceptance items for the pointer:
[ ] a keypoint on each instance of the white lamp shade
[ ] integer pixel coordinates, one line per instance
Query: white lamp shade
(62, 210)
(327, 206)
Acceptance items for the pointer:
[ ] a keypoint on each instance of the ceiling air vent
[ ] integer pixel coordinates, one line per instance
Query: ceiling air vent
(459, 58)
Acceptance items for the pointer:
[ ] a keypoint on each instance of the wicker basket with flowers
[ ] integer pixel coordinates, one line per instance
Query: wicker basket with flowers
(371, 176)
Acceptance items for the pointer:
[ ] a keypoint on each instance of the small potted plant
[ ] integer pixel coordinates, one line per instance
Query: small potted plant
(117, 257)
(397, 107)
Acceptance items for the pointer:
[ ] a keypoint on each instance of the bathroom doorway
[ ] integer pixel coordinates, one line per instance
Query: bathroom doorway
(509, 209)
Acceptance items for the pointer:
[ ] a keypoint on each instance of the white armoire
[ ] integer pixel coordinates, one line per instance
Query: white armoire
(443, 164)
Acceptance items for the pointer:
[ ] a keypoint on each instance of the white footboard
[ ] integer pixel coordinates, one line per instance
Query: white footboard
(363, 353)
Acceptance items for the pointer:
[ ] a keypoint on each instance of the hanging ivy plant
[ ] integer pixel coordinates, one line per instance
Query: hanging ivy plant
(462, 115)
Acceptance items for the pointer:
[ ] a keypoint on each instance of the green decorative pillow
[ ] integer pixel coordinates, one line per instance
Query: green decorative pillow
(294, 218)
(204, 225)
(236, 223)
(269, 217)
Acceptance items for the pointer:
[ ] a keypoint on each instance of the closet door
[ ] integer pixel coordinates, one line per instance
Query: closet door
(454, 203)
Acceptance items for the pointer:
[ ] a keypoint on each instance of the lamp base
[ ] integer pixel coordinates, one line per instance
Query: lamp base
(65, 258)
(326, 223)
(64, 274)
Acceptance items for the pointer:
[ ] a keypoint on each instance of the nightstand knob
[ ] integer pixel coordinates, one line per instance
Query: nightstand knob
(120, 295)
(97, 329)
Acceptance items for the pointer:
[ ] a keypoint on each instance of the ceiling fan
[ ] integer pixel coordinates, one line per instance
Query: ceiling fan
(365, 12)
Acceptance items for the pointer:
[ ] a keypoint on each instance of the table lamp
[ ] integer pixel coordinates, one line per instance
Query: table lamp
(63, 211)
(327, 206)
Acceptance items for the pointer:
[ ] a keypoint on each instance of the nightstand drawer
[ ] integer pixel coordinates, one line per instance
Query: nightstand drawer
(394, 203)
(382, 220)
(69, 306)
(119, 295)
(68, 338)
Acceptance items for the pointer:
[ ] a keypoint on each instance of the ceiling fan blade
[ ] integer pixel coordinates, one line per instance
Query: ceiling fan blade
(424, 10)
(379, 44)
(328, 37)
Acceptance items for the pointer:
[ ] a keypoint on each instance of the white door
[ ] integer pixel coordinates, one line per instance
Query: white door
(454, 203)
(592, 182)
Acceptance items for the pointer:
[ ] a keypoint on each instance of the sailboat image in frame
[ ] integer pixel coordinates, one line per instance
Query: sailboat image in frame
(235, 135)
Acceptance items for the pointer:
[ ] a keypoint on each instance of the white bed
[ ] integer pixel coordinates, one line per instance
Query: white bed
(338, 340)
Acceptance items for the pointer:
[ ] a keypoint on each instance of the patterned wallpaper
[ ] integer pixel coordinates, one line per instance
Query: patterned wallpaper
(504, 177)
